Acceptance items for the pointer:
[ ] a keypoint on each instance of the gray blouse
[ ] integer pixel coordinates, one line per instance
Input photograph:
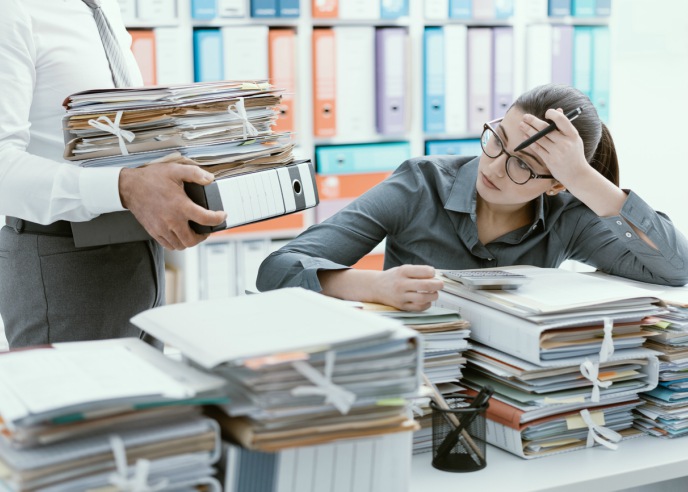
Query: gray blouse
(427, 212)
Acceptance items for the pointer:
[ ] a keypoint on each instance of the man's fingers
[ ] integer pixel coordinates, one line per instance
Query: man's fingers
(205, 217)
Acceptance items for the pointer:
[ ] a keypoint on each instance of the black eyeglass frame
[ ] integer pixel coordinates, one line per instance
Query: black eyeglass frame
(533, 175)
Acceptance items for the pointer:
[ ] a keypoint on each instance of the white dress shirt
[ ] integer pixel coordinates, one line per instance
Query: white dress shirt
(50, 49)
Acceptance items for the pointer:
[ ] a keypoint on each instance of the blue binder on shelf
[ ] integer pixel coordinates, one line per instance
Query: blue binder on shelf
(559, 8)
(361, 158)
(263, 8)
(208, 60)
(393, 9)
(453, 147)
(203, 9)
(288, 8)
(601, 60)
(583, 8)
(603, 8)
(433, 75)
(460, 9)
(582, 59)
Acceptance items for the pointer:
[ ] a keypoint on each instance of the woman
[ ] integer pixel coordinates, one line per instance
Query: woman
(557, 199)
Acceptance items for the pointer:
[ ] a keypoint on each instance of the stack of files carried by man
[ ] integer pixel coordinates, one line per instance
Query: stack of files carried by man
(224, 127)
(302, 369)
(564, 354)
(665, 409)
(445, 334)
(219, 125)
(113, 413)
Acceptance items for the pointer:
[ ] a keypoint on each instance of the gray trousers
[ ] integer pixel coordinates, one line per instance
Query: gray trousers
(51, 291)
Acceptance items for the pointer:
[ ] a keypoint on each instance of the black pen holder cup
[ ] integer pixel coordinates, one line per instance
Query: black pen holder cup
(462, 451)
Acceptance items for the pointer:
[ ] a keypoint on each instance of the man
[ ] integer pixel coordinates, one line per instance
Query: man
(49, 290)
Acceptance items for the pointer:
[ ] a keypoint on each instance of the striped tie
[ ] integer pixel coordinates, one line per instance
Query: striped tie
(118, 67)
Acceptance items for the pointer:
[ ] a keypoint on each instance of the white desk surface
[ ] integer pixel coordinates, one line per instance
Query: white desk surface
(637, 462)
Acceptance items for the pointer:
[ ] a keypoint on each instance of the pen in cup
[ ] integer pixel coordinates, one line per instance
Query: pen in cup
(571, 115)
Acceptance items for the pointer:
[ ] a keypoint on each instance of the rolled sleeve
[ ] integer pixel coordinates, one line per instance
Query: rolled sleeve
(99, 189)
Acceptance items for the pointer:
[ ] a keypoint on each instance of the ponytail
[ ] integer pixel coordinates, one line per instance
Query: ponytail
(604, 160)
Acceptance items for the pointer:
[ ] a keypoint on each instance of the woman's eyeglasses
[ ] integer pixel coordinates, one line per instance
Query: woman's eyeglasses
(518, 171)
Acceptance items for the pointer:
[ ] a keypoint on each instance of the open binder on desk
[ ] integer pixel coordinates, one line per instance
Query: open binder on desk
(249, 196)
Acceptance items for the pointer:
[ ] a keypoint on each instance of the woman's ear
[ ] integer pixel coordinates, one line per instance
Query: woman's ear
(556, 188)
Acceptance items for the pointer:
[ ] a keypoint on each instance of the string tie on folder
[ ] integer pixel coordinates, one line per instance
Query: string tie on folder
(591, 371)
(138, 482)
(105, 124)
(341, 398)
(607, 348)
(599, 434)
(238, 110)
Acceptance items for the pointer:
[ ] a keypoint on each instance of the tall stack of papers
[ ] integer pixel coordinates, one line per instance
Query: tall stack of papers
(664, 412)
(445, 334)
(219, 125)
(85, 415)
(302, 368)
(565, 356)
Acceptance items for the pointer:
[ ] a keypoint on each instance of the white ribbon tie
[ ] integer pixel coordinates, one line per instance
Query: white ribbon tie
(105, 124)
(591, 371)
(238, 110)
(121, 479)
(607, 349)
(599, 434)
(341, 398)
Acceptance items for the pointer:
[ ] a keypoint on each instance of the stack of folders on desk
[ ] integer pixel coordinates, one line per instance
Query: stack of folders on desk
(664, 412)
(561, 350)
(302, 369)
(97, 415)
(218, 125)
(445, 333)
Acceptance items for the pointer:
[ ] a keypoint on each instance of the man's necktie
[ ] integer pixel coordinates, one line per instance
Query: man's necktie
(118, 66)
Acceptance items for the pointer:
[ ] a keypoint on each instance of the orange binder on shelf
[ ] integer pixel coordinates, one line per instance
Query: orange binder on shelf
(325, 9)
(282, 73)
(143, 47)
(371, 261)
(333, 187)
(324, 83)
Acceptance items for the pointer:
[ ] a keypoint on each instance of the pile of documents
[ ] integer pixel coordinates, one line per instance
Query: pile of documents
(113, 413)
(219, 125)
(664, 412)
(445, 335)
(565, 355)
(302, 368)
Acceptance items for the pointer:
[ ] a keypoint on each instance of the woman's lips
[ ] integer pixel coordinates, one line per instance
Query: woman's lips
(487, 182)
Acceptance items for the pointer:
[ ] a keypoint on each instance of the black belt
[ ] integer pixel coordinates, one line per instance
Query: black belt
(59, 228)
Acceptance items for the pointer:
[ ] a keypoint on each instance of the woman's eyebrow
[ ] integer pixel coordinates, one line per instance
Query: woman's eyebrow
(532, 156)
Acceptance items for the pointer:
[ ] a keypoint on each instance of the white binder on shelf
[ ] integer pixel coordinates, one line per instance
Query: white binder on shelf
(218, 270)
(245, 51)
(355, 96)
(538, 55)
(436, 9)
(455, 72)
(480, 74)
(173, 56)
(359, 9)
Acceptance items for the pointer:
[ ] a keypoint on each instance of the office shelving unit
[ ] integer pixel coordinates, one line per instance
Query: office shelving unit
(526, 12)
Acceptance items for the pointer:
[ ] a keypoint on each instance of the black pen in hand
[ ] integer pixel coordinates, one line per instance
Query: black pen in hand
(571, 115)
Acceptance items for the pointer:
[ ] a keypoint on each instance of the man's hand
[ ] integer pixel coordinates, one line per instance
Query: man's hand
(155, 195)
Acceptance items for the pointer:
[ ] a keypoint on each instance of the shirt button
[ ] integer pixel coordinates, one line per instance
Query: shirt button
(618, 222)
(490, 259)
(628, 234)
(534, 227)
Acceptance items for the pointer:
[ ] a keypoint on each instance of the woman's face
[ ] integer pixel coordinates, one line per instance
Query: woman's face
(493, 184)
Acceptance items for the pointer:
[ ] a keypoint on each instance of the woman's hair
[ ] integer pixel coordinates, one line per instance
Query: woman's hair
(597, 141)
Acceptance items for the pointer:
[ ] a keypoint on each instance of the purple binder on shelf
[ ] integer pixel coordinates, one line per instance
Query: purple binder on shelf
(391, 73)
(562, 55)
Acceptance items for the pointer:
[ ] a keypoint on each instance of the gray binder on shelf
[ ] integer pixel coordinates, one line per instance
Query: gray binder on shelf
(247, 197)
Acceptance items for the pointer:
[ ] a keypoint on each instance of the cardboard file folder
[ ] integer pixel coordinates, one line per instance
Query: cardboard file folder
(248, 197)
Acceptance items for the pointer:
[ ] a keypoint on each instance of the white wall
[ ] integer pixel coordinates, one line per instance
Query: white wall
(649, 101)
